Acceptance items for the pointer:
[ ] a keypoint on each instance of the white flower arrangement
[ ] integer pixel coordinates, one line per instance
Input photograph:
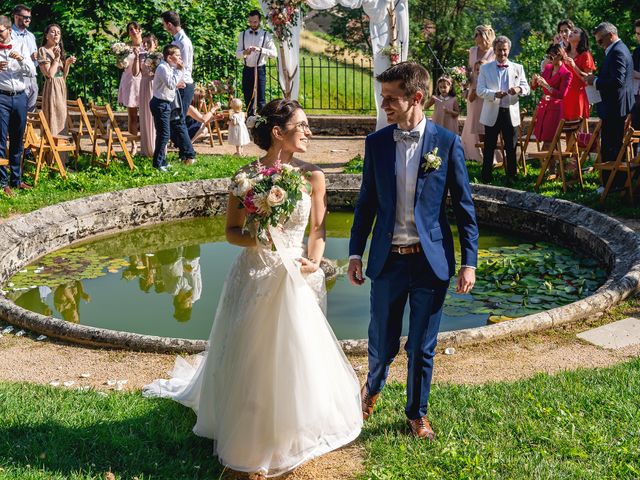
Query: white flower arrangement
(152, 60)
(431, 160)
(254, 121)
(121, 51)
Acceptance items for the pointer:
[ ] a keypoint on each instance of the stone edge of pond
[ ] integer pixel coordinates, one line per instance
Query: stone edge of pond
(30, 236)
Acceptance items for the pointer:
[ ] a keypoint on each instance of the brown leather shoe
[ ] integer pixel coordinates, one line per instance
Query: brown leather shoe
(368, 401)
(189, 161)
(8, 191)
(420, 428)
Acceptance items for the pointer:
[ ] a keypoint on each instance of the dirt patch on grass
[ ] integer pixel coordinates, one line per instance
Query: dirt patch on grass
(26, 360)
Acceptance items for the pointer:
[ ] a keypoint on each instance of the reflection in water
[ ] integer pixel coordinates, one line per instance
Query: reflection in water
(175, 271)
(35, 299)
(66, 299)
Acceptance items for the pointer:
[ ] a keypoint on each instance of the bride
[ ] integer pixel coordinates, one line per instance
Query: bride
(274, 388)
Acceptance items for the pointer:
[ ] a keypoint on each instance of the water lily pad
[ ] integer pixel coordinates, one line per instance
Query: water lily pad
(498, 319)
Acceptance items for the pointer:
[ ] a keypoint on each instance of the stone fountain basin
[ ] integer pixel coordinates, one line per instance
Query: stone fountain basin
(28, 237)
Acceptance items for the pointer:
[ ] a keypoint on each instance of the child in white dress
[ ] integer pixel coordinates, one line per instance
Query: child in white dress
(238, 133)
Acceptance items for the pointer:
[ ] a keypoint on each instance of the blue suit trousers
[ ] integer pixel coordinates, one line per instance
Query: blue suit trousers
(405, 277)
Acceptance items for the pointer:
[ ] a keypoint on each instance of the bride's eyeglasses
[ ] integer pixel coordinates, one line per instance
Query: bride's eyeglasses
(301, 126)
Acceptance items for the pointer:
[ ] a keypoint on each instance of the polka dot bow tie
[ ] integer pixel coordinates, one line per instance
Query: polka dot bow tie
(411, 137)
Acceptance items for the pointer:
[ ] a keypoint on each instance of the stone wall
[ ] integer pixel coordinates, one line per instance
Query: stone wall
(31, 236)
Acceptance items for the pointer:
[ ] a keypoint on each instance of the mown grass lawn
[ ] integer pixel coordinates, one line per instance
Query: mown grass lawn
(329, 86)
(90, 180)
(575, 425)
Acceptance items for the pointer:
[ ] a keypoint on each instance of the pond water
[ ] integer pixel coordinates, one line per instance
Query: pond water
(166, 280)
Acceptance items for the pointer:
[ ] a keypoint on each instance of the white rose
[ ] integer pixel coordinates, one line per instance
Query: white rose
(262, 205)
(276, 196)
(288, 167)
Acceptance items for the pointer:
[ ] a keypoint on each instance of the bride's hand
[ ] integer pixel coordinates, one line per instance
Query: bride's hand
(307, 265)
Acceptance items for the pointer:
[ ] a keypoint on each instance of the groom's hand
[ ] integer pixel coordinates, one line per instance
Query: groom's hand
(354, 272)
(466, 280)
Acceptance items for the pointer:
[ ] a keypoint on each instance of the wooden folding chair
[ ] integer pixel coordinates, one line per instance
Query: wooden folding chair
(625, 162)
(106, 128)
(567, 130)
(79, 126)
(591, 146)
(525, 136)
(45, 146)
(221, 116)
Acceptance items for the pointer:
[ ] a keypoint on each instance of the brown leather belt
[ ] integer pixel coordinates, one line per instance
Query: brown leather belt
(409, 249)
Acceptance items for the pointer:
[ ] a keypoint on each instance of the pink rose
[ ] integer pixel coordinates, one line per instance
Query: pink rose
(276, 196)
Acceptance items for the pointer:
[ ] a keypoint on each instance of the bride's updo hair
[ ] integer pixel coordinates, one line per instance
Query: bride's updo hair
(276, 113)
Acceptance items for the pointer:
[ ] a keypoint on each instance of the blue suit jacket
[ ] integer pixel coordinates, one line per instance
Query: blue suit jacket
(615, 83)
(377, 201)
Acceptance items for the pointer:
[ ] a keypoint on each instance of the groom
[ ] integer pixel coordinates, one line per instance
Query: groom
(409, 169)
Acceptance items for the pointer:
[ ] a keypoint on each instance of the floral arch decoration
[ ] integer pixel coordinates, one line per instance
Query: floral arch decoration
(389, 30)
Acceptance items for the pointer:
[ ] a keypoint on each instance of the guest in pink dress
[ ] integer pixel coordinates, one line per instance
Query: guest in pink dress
(146, 72)
(473, 130)
(129, 89)
(446, 108)
(555, 82)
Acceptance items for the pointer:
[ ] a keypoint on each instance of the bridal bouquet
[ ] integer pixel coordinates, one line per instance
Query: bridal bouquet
(121, 51)
(269, 195)
(152, 60)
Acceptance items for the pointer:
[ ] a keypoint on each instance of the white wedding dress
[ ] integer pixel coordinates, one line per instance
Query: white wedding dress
(274, 388)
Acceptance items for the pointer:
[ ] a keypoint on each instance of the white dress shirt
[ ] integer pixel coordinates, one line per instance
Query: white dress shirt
(165, 81)
(27, 38)
(13, 78)
(408, 155)
(183, 42)
(248, 39)
(503, 78)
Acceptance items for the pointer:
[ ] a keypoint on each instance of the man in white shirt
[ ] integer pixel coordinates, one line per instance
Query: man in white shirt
(15, 69)
(255, 46)
(410, 168)
(500, 85)
(21, 22)
(171, 23)
(167, 79)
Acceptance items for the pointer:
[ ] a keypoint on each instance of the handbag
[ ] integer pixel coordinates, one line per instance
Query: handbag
(583, 139)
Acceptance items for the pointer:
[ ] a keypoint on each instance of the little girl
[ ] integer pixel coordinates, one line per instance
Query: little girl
(446, 110)
(238, 133)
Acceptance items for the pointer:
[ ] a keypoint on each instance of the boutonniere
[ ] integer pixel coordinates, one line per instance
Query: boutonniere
(431, 160)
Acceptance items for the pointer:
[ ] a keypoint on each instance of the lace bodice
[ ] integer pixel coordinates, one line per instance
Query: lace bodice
(295, 226)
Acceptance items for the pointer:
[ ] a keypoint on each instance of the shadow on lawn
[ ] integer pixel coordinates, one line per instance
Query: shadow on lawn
(150, 439)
